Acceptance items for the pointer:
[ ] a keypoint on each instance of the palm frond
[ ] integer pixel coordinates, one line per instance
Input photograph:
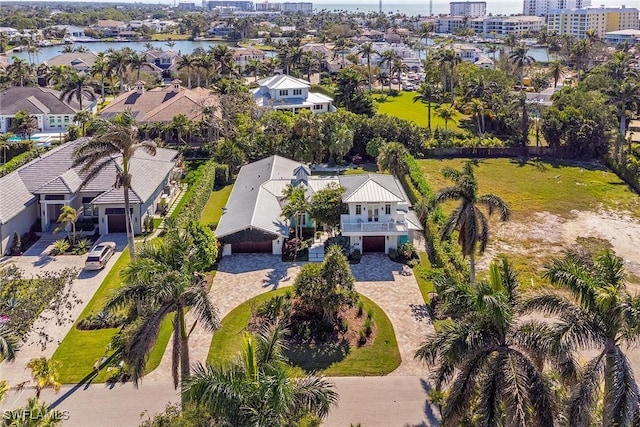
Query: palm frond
(621, 399)
(515, 389)
(575, 278)
(584, 396)
(448, 193)
(495, 203)
(316, 395)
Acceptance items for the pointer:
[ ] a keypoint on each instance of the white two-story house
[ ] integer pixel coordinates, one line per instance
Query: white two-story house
(379, 217)
(283, 92)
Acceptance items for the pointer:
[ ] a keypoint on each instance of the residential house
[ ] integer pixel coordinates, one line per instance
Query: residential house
(379, 218)
(109, 27)
(53, 114)
(162, 104)
(167, 60)
(220, 29)
(242, 56)
(283, 92)
(80, 61)
(37, 192)
(72, 32)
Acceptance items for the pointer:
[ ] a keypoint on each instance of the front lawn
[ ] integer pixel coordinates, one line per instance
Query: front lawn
(531, 185)
(402, 106)
(213, 209)
(378, 359)
(420, 271)
(79, 350)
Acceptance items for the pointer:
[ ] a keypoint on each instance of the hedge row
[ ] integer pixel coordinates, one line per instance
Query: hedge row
(196, 197)
(19, 160)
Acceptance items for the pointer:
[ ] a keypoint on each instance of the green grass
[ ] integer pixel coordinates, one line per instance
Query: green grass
(420, 272)
(213, 209)
(195, 170)
(157, 222)
(79, 350)
(378, 359)
(402, 106)
(530, 186)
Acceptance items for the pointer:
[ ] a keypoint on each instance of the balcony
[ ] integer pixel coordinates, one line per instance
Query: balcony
(350, 226)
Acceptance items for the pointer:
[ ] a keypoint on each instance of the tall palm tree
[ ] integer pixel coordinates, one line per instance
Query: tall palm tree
(254, 67)
(82, 117)
(425, 95)
(115, 141)
(366, 50)
(598, 313)
(392, 158)
(101, 68)
(20, 71)
(165, 277)
(24, 124)
(424, 32)
(224, 57)
(136, 61)
(187, 62)
(520, 58)
(477, 108)
(490, 363)
(58, 75)
(470, 222)
(447, 113)
(387, 57)
(118, 62)
(556, 69)
(626, 98)
(67, 219)
(260, 388)
(296, 206)
(45, 374)
(579, 53)
(79, 86)
(398, 67)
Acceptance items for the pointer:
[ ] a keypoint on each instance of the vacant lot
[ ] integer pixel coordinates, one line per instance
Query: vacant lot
(402, 106)
(553, 205)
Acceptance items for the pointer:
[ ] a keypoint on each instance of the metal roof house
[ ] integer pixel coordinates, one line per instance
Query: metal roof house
(38, 190)
(379, 217)
(283, 92)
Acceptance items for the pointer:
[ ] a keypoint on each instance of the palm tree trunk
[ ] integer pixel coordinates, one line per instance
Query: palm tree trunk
(185, 368)
(369, 70)
(127, 220)
(623, 128)
(472, 268)
(429, 114)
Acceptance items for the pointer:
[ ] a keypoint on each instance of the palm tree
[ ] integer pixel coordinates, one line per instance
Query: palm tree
(392, 158)
(149, 46)
(520, 58)
(82, 118)
(118, 62)
(20, 71)
(224, 57)
(45, 373)
(165, 277)
(67, 219)
(626, 98)
(260, 388)
(114, 141)
(598, 314)
(136, 61)
(101, 68)
(580, 52)
(387, 57)
(425, 95)
(470, 222)
(187, 62)
(557, 71)
(447, 113)
(426, 28)
(254, 66)
(79, 86)
(398, 67)
(170, 44)
(490, 363)
(58, 75)
(477, 107)
(8, 343)
(366, 50)
(296, 206)
(24, 124)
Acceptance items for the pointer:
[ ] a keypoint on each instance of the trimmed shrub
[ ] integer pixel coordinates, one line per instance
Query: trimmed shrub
(196, 197)
(16, 245)
(59, 247)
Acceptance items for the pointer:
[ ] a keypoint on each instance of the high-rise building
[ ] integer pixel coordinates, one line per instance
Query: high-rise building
(502, 26)
(542, 7)
(238, 4)
(468, 8)
(576, 22)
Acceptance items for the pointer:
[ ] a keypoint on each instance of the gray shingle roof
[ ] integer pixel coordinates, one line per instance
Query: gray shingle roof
(14, 197)
(36, 100)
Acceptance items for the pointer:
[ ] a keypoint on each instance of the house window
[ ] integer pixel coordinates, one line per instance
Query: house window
(317, 107)
(373, 215)
(297, 91)
(66, 119)
(387, 209)
(52, 121)
(284, 92)
(358, 209)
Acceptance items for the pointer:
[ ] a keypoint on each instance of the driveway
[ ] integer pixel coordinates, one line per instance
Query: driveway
(35, 262)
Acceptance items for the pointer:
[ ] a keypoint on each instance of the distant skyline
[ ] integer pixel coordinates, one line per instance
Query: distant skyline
(607, 3)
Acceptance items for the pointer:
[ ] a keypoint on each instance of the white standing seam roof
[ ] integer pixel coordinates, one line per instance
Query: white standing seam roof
(283, 81)
(371, 191)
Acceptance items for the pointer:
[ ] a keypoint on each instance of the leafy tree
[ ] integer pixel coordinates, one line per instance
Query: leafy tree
(45, 374)
(488, 361)
(67, 219)
(79, 86)
(374, 145)
(470, 222)
(341, 142)
(392, 158)
(260, 388)
(325, 287)
(114, 141)
(165, 277)
(326, 205)
(348, 93)
(24, 124)
(598, 313)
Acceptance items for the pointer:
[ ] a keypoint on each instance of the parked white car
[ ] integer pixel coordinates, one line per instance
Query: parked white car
(100, 255)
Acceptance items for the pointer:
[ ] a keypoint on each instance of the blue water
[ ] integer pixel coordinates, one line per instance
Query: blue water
(19, 139)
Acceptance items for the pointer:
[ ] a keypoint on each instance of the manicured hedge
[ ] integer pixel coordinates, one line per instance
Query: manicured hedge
(19, 160)
(197, 194)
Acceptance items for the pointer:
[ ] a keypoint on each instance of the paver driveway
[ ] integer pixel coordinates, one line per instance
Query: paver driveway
(37, 261)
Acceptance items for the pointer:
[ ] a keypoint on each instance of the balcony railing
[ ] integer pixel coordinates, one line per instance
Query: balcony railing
(348, 225)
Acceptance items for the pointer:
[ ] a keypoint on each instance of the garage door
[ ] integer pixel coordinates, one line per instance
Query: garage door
(373, 244)
(117, 224)
(251, 246)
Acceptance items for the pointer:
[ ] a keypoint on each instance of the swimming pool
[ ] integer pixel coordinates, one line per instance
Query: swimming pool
(19, 139)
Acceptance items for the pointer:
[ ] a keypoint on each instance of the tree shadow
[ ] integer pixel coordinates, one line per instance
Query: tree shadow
(313, 357)
(429, 411)
(275, 276)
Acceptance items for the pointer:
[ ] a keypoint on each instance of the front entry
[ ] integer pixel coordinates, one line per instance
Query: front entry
(373, 244)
